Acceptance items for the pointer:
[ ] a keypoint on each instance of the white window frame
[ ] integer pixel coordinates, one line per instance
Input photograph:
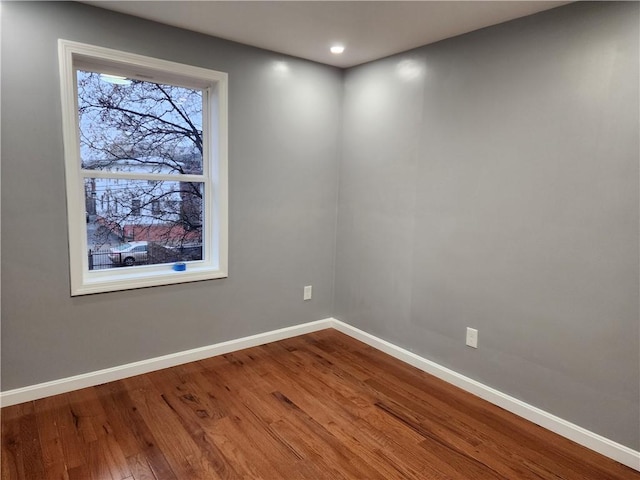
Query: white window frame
(73, 55)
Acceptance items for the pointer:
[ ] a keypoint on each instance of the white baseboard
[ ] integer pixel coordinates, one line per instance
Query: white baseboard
(593, 441)
(55, 387)
(598, 443)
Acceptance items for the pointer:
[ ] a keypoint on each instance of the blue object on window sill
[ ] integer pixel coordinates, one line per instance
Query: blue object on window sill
(180, 266)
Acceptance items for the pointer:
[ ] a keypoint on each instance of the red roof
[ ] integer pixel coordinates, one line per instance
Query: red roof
(170, 234)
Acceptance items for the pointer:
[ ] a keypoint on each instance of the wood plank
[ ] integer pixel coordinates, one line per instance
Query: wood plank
(191, 411)
(104, 449)
(451, 407)
(131, 431)
(67, 425)
(203, 410)
(333, 411)
(52, 454)
(140, 468)
(321, 406)
(251, 424)
(30, 439)
(401, 451)
(12, 451)
(183, 454)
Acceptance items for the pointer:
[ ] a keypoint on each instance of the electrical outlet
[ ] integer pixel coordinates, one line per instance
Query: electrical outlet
(472, 337)
(307, 293)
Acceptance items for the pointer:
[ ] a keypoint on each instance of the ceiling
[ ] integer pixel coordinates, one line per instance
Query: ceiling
(368, 29)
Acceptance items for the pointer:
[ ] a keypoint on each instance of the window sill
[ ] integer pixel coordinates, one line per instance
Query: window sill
(141, 277)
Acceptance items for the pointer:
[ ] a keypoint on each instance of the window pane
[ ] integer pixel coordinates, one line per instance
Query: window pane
(129, 125)
(165, 216)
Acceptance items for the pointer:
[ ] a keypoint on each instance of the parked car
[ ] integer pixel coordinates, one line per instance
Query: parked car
(129, 254)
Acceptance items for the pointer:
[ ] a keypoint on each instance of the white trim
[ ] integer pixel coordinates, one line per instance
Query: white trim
(55, 387)
(584, 437)
(162, 177)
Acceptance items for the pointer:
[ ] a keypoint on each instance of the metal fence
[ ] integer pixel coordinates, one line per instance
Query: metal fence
(99, 260)
(103, 259)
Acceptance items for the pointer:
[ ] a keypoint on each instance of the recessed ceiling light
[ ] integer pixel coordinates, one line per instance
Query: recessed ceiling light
(337, 49)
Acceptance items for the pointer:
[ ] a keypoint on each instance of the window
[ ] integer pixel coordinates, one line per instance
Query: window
(145, 154)
(135, 207)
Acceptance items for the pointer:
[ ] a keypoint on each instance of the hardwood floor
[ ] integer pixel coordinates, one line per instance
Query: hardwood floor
(319, 406)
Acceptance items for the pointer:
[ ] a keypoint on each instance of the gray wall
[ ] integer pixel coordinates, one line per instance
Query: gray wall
(284, 150)
(491, 181)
